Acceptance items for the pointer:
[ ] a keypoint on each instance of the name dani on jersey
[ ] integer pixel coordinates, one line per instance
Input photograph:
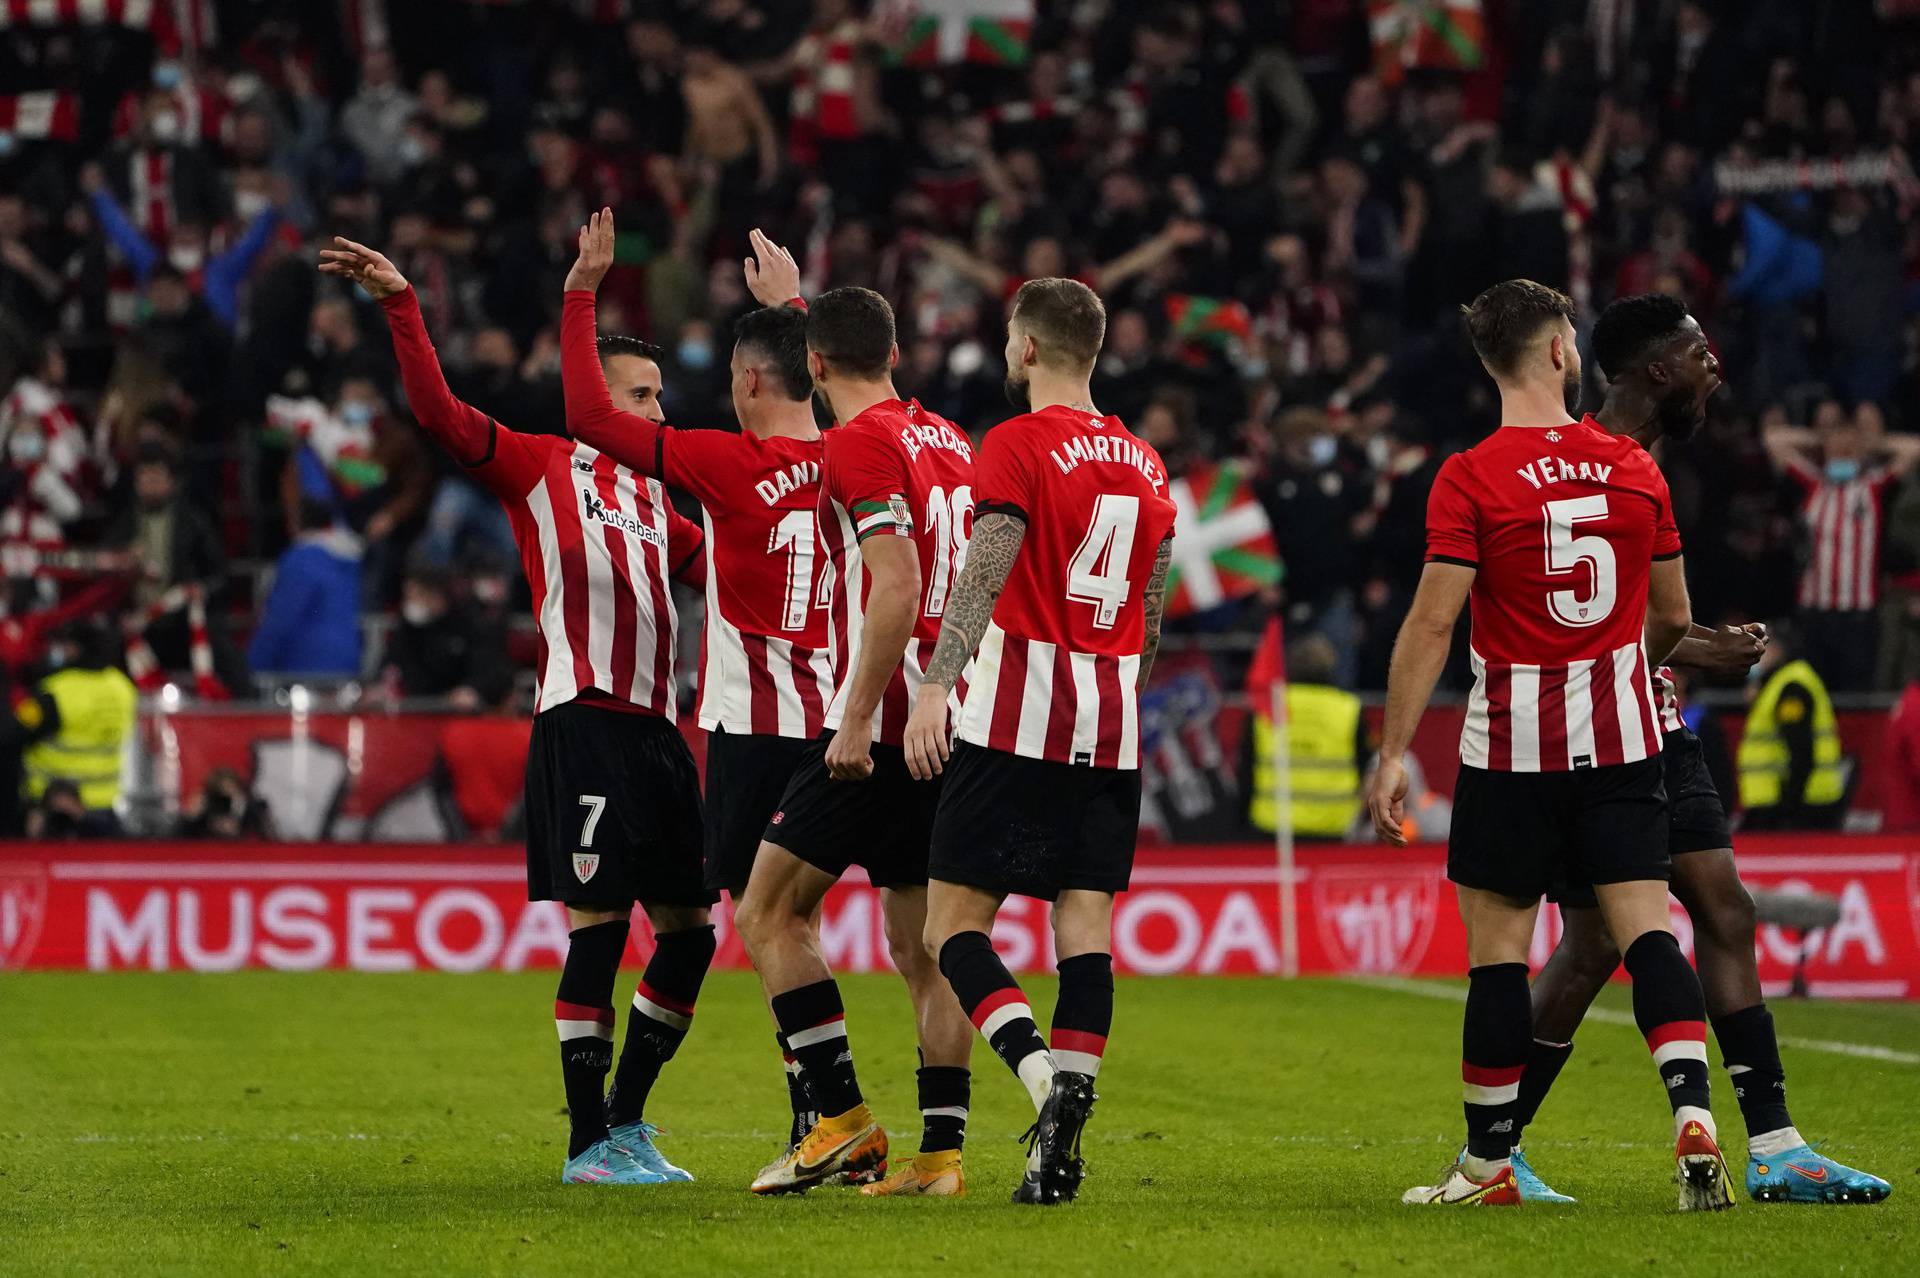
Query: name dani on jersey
(802, 474)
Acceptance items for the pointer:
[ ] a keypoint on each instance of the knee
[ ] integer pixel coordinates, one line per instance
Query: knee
(752, 920)
(1730, 919)
(1593, 953)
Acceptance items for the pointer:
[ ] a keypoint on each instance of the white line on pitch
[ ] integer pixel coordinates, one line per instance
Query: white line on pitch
(1454, 994)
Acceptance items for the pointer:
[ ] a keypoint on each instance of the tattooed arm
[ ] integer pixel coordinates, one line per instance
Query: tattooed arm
(990, 553)
(1155, 600)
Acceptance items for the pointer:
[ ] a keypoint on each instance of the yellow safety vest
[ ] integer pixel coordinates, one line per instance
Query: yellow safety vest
(1763, 757)
(96, 716)
(1322, 769)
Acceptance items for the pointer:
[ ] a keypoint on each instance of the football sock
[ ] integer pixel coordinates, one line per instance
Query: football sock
(1672, 1015)
(997, 1008)
(1751, 1053)
(815, 1023)
(1544, 1061)
(1494, 1036)
(804, 1115)
(945, 1091)
(583, 1013)
(662, 1014)
(1084, 1013)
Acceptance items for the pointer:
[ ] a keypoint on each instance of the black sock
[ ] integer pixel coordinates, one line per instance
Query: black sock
(1083, 1016)
(1752, 1056)
(815, 1023)
(798, 1097)
(997, 1008)
(583, 1012)
(1544, 1061)
(945, 1092)
(1493, 1054)
(662, 1013)
(1672, 1015)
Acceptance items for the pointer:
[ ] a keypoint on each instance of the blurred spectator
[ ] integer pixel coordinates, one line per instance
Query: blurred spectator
(1843, 469)
(310, 623)
(48, 471)
(1901, 811)
(226, 809)
(1312, 506)
(60, 816)
(1327, 746)
(1792, 773)
(443, 648)
(375, 118)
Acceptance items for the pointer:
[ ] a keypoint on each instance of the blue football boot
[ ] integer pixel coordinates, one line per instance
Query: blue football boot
(636, 1141)
(1532, 1188)
(1799, 1175)
(604, 1163)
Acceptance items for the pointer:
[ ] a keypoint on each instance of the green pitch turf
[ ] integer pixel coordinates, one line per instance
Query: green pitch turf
(342, 1124)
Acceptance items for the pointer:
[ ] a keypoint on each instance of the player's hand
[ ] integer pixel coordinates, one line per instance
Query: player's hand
(596, 253)
(926, 740)
(1734, 649)
(773, 277)
(850, 753)
(1387, 801)
(366, 267)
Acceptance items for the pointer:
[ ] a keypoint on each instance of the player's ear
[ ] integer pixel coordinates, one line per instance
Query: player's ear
(1029, 350)
(816, 366)
(893, 356)
(1557, 349)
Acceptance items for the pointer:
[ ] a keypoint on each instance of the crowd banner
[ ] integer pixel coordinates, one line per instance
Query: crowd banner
(215, 907)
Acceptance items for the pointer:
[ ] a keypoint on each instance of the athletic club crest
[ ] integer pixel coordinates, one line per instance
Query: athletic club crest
(585, 864)
(1375, 919)
(23, 908)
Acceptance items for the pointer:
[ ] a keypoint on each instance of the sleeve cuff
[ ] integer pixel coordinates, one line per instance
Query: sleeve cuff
(797, 302)
(1454, 559)
(1671, 554)
(1001, 508)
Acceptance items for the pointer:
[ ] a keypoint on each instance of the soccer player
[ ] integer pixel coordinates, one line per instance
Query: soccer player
(1062, 598)
(1564, 536)
(1660, 373)
(896, 497)
(612, 801)
(766, 675)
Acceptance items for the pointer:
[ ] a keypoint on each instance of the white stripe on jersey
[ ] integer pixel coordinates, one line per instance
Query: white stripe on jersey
(556, 678)
(1474, 732)
(1579, 709)
(1086, 704)
(1525, 694)
(1556, 718)
(1036, 700)
(1626, 704)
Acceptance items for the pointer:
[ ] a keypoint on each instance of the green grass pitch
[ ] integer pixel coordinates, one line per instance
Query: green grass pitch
(345, 1124)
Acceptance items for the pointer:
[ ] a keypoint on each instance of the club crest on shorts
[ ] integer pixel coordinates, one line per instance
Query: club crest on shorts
(585, 864)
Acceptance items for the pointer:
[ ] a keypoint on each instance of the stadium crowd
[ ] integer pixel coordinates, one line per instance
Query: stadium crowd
(1283, 204)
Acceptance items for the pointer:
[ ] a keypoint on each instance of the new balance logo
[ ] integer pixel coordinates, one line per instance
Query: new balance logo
(584, 467)
(1676, 1080)
(596, 508)
(1504, 1125)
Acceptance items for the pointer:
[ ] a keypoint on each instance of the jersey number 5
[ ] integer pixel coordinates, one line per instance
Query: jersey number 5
(1097, 573)
(1567, 552)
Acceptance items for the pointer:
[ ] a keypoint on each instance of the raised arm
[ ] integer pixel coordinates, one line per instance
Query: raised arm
(1789, 448)
(1178, 234)
(1419, 654)
(139, 251)
(957, 258)
(990, 554)
(592, 418)
(463, 430)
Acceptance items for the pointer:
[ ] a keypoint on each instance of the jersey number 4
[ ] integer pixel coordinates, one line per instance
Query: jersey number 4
(1097, 573)
(1567, 553)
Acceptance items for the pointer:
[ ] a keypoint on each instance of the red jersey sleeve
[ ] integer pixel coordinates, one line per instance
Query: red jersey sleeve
(865, 475)
(628, 438)
(1453, 522)
(1666, 533)
(1002, 478)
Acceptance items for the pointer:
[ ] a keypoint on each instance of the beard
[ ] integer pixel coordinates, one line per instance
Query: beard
(1019, 394)
(1570, 391)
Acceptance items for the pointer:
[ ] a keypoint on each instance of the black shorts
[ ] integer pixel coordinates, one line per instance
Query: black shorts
(613, 811)
(1034, 828)
(1528, 834)
(1696, 819)
(881, 824)
(747, 775)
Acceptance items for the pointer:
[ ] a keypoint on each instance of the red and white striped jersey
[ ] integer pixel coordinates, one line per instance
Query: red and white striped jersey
(1054, 677)
(1843, 525)
(598, 542)
(1668, 698)
(895, 470)
(1562, 524)
(764, 664)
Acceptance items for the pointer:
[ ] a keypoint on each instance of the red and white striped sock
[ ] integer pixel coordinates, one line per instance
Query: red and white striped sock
(999, 1009)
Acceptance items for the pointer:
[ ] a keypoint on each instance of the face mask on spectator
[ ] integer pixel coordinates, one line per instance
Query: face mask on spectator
(356, 413)
(250, 204)
(1322, 449)
(185, 258)
(29, 446)
(1841, 470)
(411, 151)
(417, 613)
(167, 75)
(165, 127)
(695, 354)
(6, 143)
